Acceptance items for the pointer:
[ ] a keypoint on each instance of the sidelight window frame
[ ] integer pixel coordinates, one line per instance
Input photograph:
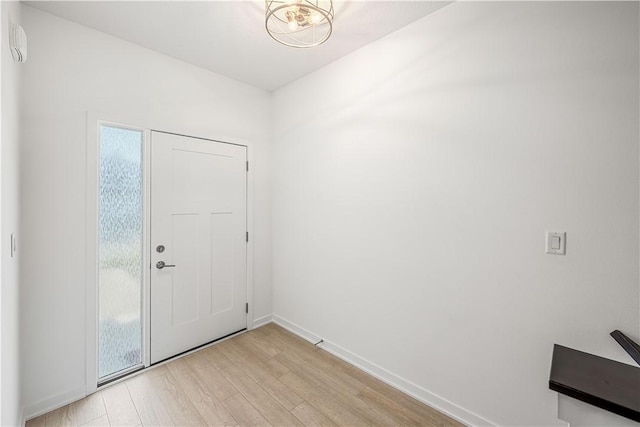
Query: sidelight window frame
(94, 123)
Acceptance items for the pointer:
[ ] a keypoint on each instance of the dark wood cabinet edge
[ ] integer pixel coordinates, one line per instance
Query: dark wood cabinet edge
(629, 345)
(595, 401)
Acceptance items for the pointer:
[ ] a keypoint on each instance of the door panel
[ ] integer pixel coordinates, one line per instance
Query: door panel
(198, 213)
(222, 262)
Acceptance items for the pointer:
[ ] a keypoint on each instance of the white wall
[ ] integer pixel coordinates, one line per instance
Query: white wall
(415, 178)
(72, 70)
(10, 223)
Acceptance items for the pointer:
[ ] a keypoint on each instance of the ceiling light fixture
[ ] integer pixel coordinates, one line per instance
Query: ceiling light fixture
(299, 23)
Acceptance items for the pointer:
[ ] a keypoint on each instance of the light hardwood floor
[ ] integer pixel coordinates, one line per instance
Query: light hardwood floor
(267, 376)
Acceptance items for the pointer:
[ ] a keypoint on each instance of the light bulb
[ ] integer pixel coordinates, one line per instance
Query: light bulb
(291, 19)
(316, 18)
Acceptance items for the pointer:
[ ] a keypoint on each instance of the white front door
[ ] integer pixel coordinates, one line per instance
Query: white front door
(198, 229)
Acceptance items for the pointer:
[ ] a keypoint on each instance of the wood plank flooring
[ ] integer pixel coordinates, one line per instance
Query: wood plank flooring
(267, 376)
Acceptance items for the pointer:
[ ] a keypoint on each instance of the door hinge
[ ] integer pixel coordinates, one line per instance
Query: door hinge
(247, 166)
(247, 236)
(246, 308)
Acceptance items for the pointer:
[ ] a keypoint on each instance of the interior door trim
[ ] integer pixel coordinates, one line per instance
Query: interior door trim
(93, 119)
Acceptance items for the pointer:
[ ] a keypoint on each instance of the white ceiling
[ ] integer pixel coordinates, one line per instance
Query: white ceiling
(229, 38)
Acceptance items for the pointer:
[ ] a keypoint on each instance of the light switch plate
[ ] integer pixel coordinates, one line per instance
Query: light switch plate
(556, 242)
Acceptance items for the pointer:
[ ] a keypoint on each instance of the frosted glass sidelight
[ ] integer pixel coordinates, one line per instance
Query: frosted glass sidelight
(120, 250)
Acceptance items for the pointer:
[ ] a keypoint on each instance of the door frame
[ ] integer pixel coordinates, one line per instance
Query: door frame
(94, 120)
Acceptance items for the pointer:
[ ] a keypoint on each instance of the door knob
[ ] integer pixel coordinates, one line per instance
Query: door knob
(160, 265)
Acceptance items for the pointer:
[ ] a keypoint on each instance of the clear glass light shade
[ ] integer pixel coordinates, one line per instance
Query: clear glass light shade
(299, 23)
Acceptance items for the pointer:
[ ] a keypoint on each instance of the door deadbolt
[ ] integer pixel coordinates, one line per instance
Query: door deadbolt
(160, 249)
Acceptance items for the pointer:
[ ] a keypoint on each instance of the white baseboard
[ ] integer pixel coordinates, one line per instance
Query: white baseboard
(261, 321)
(298, 330)
(428, 398)
(54, 402)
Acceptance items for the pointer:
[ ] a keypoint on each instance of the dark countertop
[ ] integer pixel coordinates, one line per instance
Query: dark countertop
(601, 382)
